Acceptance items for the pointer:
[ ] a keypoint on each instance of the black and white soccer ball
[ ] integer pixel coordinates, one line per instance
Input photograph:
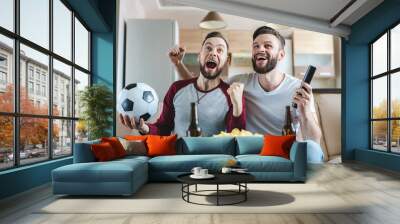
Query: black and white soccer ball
(138, 100)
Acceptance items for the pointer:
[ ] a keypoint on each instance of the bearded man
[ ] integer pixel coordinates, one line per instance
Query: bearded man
(268, 91)
(220, 106)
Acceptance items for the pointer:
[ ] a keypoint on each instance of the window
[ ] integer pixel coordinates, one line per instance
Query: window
(38, 74)
(44, 91)
(6, 142)
(6, 74)
(385, 94)
(46, 129)
(81, 81)
(7, 14)
(38, 89)
(81, 45)
(34, 21)
(62, 29)
(3, 78)
(3, 61)
(30, 72)
(30, 87)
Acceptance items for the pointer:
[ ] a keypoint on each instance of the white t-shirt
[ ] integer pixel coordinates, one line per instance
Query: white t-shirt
(265, 111)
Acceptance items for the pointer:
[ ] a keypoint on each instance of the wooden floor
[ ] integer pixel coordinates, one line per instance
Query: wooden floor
(379, 189)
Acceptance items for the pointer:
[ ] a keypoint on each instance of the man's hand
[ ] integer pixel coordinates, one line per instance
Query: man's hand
(304, 97)
(309, 127)
(142, 127)
(235, 92)
(176, 55)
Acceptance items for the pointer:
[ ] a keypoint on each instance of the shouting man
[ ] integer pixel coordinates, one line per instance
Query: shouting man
(220, 106)
(268, 91)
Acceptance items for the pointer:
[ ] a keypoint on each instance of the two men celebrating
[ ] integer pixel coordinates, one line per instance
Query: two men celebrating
(254, 101)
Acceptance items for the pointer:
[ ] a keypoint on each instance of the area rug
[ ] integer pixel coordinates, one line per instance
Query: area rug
(167, 198)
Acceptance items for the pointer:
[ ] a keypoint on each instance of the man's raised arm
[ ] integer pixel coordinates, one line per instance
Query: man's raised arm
(176, 55)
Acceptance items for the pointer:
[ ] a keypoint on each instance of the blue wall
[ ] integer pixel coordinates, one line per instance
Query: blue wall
(100, 17)
(24, 178)
(355, 98)
(103, 66)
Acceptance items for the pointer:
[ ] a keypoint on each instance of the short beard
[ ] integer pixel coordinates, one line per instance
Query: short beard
(208, 75)
(272, 62)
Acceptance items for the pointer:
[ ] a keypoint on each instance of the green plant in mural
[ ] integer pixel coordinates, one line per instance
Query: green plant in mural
(96, 103)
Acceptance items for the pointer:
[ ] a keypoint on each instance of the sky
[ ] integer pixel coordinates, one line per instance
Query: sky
(35, 27)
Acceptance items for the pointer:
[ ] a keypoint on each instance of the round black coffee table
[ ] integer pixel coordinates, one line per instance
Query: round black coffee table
(238, 179)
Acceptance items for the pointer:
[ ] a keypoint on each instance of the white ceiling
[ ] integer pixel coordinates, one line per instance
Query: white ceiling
(312, 15)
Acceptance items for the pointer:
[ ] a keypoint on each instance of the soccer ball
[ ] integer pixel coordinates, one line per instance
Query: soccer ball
(138, 100)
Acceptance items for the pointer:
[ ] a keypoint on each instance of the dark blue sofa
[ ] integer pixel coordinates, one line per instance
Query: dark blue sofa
(125, 176)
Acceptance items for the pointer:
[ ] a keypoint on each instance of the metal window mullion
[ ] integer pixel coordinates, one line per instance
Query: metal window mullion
(371, 89)
(389, 102)
(16, 84)
(73, 82)
(50, 81)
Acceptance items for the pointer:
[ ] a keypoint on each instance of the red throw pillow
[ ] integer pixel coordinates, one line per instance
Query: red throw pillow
(116, 145)
(103, 152)
(136, 137)
(277, 145)
(161, 145)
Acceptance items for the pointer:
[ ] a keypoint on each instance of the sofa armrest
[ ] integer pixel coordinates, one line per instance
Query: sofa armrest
(298, 155)
(83, 152)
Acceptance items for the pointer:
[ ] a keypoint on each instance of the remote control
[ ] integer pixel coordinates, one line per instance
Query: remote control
(307, 78)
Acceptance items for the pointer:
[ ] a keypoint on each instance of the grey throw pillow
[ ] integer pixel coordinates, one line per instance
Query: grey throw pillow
(134, 147)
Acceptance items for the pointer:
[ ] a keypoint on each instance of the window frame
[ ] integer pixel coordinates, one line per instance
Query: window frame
(388, 74)
(16, 114)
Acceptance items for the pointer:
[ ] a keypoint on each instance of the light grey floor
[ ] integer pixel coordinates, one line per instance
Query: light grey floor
(379, 189)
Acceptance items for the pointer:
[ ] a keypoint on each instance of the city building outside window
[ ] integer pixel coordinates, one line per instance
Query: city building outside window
(56, 127)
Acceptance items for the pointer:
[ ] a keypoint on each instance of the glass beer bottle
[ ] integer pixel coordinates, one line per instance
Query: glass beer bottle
(287, 127)
(194, 129)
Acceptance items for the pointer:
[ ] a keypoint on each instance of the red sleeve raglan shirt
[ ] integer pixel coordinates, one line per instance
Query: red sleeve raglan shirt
(214, 109)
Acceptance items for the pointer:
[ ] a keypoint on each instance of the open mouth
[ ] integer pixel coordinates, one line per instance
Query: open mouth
(261, 57)
(211, 64)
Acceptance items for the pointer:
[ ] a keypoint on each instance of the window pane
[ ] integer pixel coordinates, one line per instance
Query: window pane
(62, 138)
(62, 89)
(81, 81)
(34, 97)
(35, 21)
(62, 29)
(395, 94)
(395, 136)
(6, 74)
(379, 55)
(379, 135)
(81, 45)
(7, 14)
(81, 131)
(6, 142)
(395, 47)
(33, 139)
(379, 97)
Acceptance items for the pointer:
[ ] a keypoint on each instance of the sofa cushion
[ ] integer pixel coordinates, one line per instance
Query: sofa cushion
(161, 145)
(257, 163)
(116, 145)
(277, 145)
(249, 145)
(83, 152)
(111, 171)
(185, 163)
(206, 145)
(134, 147)
(103, 152)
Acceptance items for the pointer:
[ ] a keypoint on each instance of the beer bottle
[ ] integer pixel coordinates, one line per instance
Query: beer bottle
(194, 129)
(287, 127)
